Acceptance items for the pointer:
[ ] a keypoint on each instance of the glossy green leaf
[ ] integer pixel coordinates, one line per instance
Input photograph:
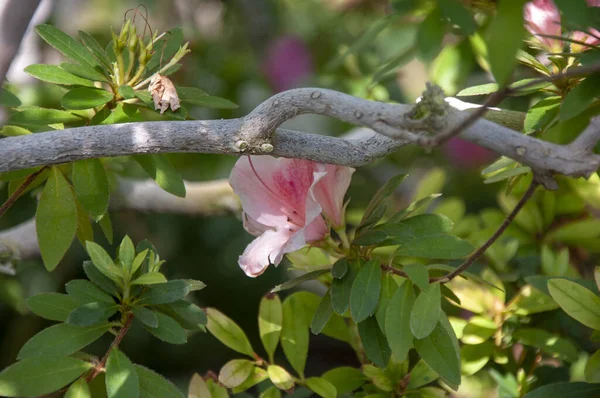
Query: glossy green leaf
(374, 342)
(95, 48)
(65, 44)
(84, 232)
(426, 311)
(566, 389)
(340, 268)
(86, 292)
(411, 208)
(121, 378)
(61, 340)
(430, 35)
(99, 279)
(103, 261)
(106, 226)
(167, 292)
(506, 174)
(418, 274)
(126, 91)
(345, 379)
(322, 314)
(301, 279)
(474, 357)
(187, 314)
(551, 344)
(379, 377)
(504, 38)
(441, 354)
(91, 313)
(56, 75)
(91, 186)
(84, 72)
(153, 385)
(257, 375)
(321, 387)
(168, 330)
(79, 389)
(56, 219)
(235, 372)
(13, 131)
(53, 306)
(294, 333)
(577, 301)
(592, 368)
(210, 102)
(271, 392)
(384, 192)
(397, 321)
(43, 116)
(420, 375)
(270, 322)
(366, 288)
(160, 169)
(228, 332)
(198, 387)
(138, 261)
(145, 316)
(341, 289)
(8, 99)
(85, 98)
(33, 377)
(150, 278)
(580, 98)
(388, 288)
(280, 377)
(541, 114)
(478, 329)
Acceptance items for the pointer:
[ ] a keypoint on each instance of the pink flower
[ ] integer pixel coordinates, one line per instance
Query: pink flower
(542, 17)
(591, 37)
(286, 203)
(287, 63)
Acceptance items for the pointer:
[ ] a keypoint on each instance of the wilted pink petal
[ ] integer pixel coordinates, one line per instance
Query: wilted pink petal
(280, 203)
(330, 192)
(542, 17)
(288, 62)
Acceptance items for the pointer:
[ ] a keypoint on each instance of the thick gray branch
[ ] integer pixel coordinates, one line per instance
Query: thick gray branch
(258, 133)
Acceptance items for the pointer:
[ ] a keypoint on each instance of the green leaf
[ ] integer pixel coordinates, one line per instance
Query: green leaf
(61, 340)
(235, 372)
(138, 261)
(126, 253)
(150, 278)
(505, 38)
(65, 44)
(270, 322)
(580, 98)
(8, 99)
(99, 279)
(121, 378)
(53, 306)
(478, 330)
(79, 389)
(345, 379)
(95, 48)
(106, 226)
(441, 354)
(475, 356)
(84, 71)
(366, 288)
(126, 91)
(84, 231)
(340, 268)
(168, 330)
(541, 114)
(566, 389)
(271, 392)
(167, 292)
(168, 45)
(43, 116)
(420, 375)
(86, 292)
(506, 174)
(56, 75)
(322, 314)
(379, 377)
(550, 344)
(592, 368)
(388, 288)
(85, 98)
(341, 289)
(228, 332)
(418, 274)
(103, 261)
(257, 375)
(91, 186)
(153, 385)
(321, 387)
(301, 279)
(294, 333)
(397, 321)
(198, 387)
(145, 316)
(56, 219)
(577, 301)
(414, 206)
(426, 311)
(13, 131)
(280, 377)
(384, 192)
(430, 35)
(189, 315)
(33, 377)
(374, 342)
(211, 102)
(160, 169)
(91, 313)
(458, 15)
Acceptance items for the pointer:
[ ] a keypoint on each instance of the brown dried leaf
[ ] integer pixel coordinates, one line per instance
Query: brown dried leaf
(163, 93)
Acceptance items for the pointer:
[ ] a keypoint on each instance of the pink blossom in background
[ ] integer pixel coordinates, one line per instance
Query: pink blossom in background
(467, 155)
(542, 17)
(288, 62)
(286, 203)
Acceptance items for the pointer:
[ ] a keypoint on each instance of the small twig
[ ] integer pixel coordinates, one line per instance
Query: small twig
(393, 270)
(119, 337)
(473, 257)
(13, 198)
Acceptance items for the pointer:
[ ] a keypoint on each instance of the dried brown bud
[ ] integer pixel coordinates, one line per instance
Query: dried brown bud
(163, 93)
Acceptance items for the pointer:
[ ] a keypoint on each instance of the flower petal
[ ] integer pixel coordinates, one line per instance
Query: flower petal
(262, 251)
(331, 190)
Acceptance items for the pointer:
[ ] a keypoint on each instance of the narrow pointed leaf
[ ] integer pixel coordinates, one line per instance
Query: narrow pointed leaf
(397, 321)
(235, 372)
(426, 311)
(121, 378)
(153, 385)
(79, 389)
(322, 314)
(365, 291)
(168, 330)
(145, 316)
(53, 306)
(294, 333)
(86, 292)
(270, 322)
(228, 332)
(91, 186)
(374, 342)
(91, 313)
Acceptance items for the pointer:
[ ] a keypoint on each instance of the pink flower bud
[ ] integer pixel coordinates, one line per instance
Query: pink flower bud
(543, 18)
